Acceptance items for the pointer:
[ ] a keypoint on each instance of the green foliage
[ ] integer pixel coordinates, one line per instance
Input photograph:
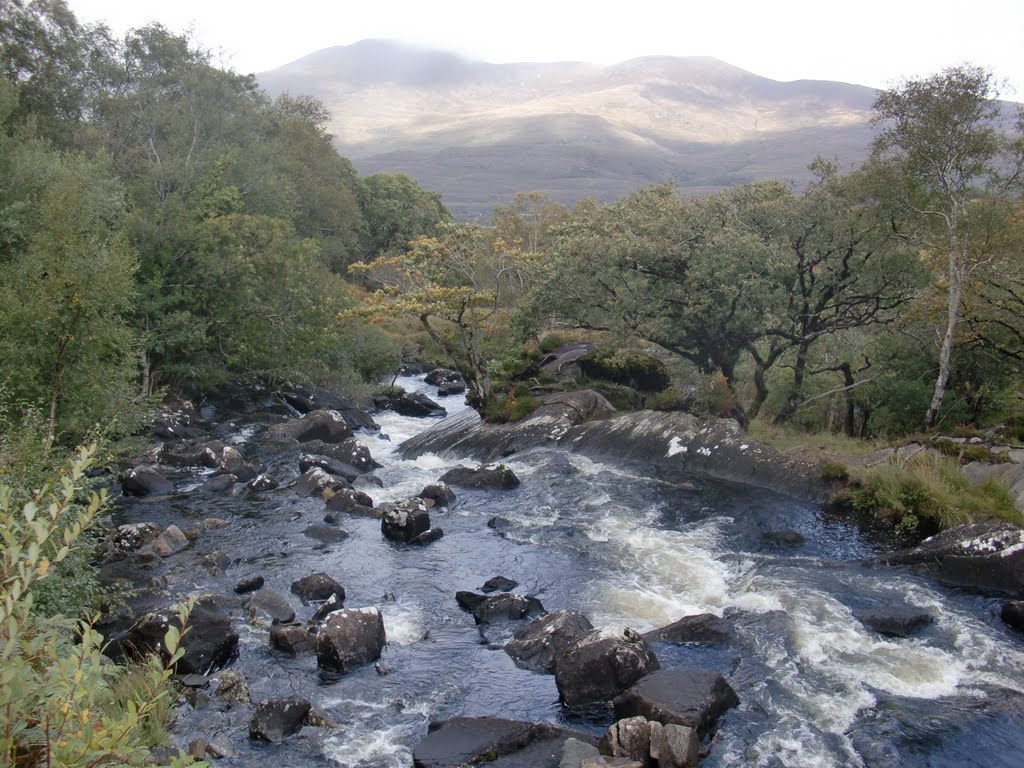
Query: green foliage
(671, 399)
(503, 407)
(551, 342)
(834, 471)
(628, 367)
(927, 494)
(965, 452)
(397, 211)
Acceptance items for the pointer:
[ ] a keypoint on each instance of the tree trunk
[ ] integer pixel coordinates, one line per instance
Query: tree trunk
(760, 388)
(56, 394)
(796, 390)
(956, 280)
(851, 411)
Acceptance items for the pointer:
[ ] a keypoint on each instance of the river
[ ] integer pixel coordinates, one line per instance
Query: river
(624, 544)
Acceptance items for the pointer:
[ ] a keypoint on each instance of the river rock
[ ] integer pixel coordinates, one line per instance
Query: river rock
(1012, 613)
(325, 609)
(232, 688)
(984, 556)
(438, 376)
(428, 537)
(325, 534)
(232, 463)
(308, 399)
(484, 476)
(539, 643)
(267, 606)
(351, 637)
(498, 584)
(274, 719)
(699, 628)
(176, 420)
(248, 584)
(350, 452)
(404, 520)
(145, 480)
(292, 639)
(170, 541)
(629, 738)
(324, 425)
(315, 482)
(894, 620)
(133, 536)
(439, 493)
(414, 404)
(189, 454)
(575, 752)
(694, 698)
(209, 643)
(449, 388)
(506, 607)
(329, 465)
(219, 483)
(352, 501)
(262, 483)
(601, 664)
(784, 538)
(317, 587)
(465, 741)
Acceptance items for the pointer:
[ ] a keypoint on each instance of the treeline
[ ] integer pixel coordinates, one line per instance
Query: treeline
(880, 299)
(166, 224)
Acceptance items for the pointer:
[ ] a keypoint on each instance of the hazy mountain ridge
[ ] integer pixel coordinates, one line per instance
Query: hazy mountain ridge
(480, 132)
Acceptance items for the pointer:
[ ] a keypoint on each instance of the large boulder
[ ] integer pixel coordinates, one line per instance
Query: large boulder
(1012, 614)
(316, 587)
(292, 639)
(274, 719)
(694, 698)
(439, 376)
(209, 644)
(601, 664)
(484, 476)
(629, 368)
(649, 743)
(439, 494)
(317, 482)
(328, 465)
(413, 404)
(539, 643)
(192, 454)
(464, 741)
(308, 399)
(349, 452)
(268, 607)
(349, 500)
(894, 620)
(326, 425)
(984, 556)
(404, 520)
(170, 541)
(699, 628)
(350, 637)
(145, 480)
(133, 536)
(232, 463)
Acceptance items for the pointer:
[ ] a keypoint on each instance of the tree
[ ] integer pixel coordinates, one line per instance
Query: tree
(530, 221)
(397, 211)
(942, 134)
(460, 286)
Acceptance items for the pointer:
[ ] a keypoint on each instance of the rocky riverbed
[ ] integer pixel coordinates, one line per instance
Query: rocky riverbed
(621, 598)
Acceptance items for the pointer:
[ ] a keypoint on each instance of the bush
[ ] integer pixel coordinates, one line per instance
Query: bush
(966, 453)
(551, 342)
(60, 704)
(629, 368)
(670, 399)
(834, 471)
(509, 407)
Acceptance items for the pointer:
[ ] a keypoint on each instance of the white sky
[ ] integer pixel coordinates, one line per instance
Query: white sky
(869, 42)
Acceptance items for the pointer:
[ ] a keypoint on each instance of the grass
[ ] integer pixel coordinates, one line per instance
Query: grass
(785, 438)
(927, 494)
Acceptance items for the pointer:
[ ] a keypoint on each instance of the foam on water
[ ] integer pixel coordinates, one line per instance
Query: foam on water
(403, 624)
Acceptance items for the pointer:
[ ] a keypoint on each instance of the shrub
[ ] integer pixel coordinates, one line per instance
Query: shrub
(509, 407)
(966, 453)
(670, 399)
(630, 368)
(834, 470)
(60, 704)
(550, 343)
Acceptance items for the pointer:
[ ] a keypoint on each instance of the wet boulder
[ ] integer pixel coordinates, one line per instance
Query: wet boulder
(405, 520)
(232, 463)
(349, 500)
(317, 482)
(449, 388)
(192, 454)
(601, 664)
(145, 480)
(133, 536)
(539, 643)
(219, 483)
(699, 628)
(209, 643)
(350, 638)
(268, 607)
(275, 719)
(498, 584)
(784, 538)
(176, 420)
(984, 556)
(506, 607)
(438, 493)
(262, 483)
(465, 741)
(693, 698)
(894, 620)
(325, 534)
(232, 688)
(329, 606)
(309, 399)
(649, 743)
(414, 404)
(170, 541)
(349, 452)
(438, 376)
(317, 587)
(328, 465)
(248, 584)
(1012, 614)
(485, 476)
(325, 425)
(292, 639)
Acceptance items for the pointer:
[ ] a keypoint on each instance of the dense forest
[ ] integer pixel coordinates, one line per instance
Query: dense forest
(167, 228)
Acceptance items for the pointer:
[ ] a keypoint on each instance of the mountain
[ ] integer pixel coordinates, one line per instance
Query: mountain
(480, 132)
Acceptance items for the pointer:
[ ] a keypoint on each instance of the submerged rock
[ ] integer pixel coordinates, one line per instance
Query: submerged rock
(145, 480)
(894, 620)
(499, 477)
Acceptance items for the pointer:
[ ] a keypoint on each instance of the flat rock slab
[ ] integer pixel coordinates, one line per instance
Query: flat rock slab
(694, 698)
(699, 628)
(494, 741)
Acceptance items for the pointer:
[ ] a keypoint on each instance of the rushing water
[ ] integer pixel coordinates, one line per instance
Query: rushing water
(624, 544)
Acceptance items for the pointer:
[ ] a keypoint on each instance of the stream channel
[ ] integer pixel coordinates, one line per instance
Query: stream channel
(624, 544)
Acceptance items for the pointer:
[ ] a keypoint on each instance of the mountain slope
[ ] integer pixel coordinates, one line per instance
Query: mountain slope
(479, 132)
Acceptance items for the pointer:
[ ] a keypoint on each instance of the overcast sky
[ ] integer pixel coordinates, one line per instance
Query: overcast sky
(870, 42)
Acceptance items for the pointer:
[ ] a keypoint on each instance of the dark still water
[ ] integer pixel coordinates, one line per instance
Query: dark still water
(624, 544)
